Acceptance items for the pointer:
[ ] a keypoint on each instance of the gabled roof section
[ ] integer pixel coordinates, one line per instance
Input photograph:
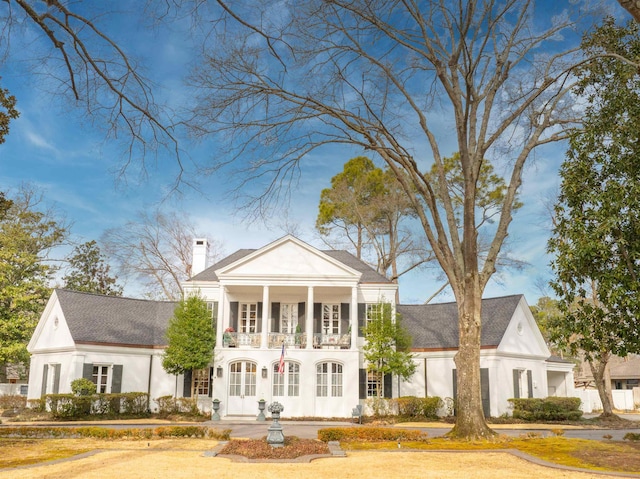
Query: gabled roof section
(341, 258)
(95, 318)
(435, 326)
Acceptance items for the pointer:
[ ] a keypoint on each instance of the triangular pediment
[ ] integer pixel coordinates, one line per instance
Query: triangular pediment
(288, 257)
(52, 332)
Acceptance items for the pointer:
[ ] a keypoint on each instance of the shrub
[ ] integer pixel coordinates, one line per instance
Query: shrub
(106, 433)
(83, 387)
(415, 407)
(70, 406)
(548, 409)
(38, 405)
(380, 407)
(370, 434)
(12, 401)
(632, 436)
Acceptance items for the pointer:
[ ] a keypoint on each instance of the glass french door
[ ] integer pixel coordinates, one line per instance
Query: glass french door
(288, 318)
(242, 388)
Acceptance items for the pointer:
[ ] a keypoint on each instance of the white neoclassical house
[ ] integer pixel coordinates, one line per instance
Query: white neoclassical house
(288, 321)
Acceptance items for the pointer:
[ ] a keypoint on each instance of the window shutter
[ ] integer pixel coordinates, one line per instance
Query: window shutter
(455, 384)
(388, 386)
(56, 378)
(317, 317)
(87, 371)
(233, 315)
(344, 318)
(186, 385)
(362, 313)
(116, 379)
(275, 317)
(516, 383)
(485, 391)
(530, 382)
(302, 318)
(210, 382)
(259, 318)
(45, 371)
(455, 389)
(363, 383)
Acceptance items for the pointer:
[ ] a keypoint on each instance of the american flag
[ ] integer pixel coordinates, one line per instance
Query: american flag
(281, 365)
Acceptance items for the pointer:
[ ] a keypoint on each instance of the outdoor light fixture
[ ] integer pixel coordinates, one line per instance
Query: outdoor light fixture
(264, 372)
(219, 371)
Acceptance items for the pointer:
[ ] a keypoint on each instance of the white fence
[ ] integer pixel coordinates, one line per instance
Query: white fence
(623, 399)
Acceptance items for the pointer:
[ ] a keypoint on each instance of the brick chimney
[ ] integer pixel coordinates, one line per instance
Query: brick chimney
(200, 255)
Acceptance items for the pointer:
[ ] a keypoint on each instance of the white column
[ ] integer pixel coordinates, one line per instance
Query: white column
(223, 318)
(309, 318)
(354, 317)
(266, 309)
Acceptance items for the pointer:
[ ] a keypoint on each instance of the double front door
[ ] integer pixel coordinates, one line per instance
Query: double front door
(242, 388)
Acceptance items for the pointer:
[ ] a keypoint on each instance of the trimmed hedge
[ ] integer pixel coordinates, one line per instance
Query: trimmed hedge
(168, 405)
(415, 407)
(70, 406)
(547, 409)
(373, 434)
(106, 433)
(12, 401)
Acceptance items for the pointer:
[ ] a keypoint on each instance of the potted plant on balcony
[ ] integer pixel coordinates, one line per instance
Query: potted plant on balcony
(298, 335)
(227, 337)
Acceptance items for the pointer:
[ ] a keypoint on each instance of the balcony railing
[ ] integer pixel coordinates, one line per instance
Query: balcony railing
(237, 340)
(296, 340)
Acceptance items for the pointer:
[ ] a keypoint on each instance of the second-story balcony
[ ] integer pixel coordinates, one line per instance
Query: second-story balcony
(295, 340)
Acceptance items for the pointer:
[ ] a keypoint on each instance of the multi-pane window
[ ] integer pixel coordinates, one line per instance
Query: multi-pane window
(329, 379)
(200, 379)
(374, 381)
(289, 381)
(212, 307)
(374, 311)
(331, 318)
(101, 378)
(288, 318)
(248, 317)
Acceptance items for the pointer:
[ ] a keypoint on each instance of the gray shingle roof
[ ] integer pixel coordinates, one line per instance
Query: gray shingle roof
(369, 275)
(94, 318)
(435, 326)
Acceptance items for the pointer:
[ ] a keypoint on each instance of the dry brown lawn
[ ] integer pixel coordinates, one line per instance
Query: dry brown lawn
(183, 458)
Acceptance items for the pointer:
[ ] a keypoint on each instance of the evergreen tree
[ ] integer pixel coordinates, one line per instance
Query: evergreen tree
(90, 272)
(596, 239)
(191, 337)
(26, 237)
(387, 344)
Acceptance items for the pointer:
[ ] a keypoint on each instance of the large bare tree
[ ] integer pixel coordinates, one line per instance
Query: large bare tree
(410, 82)
(77, 53)
(633, 7)
(157, 250)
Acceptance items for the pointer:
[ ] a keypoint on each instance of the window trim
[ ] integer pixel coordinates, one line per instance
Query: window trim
(327, 383)
(333, 322)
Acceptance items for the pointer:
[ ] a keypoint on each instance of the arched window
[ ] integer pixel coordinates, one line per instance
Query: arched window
(287, 383)
(329, 379)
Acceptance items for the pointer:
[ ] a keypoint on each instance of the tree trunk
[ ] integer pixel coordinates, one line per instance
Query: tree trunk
(470, 420)
(600, 371)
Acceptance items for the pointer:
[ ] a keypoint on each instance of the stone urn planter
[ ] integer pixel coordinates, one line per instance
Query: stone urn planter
(215, 404)
(261, 405)
(275, 437)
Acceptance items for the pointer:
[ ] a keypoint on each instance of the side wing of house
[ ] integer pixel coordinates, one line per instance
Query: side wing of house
(50, 346)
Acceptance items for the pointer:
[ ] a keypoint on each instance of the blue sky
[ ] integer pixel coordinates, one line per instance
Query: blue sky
(55, 148)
